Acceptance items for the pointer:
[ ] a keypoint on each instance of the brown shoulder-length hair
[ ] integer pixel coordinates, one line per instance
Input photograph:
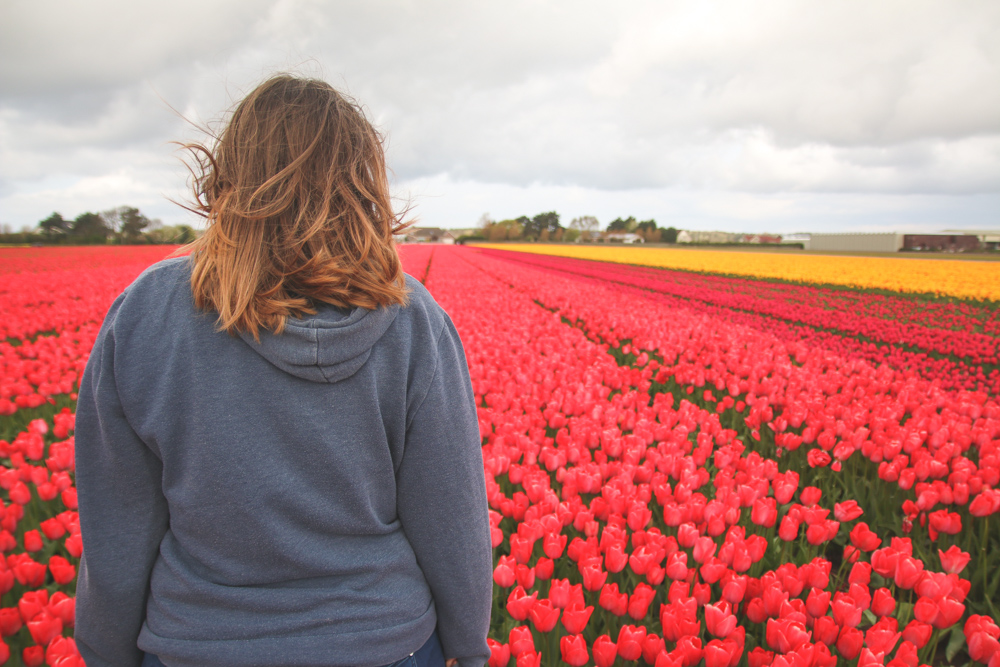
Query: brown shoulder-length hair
(297, 201)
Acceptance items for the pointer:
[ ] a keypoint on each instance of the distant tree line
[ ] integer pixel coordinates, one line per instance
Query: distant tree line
(124, 225)
(546, 227)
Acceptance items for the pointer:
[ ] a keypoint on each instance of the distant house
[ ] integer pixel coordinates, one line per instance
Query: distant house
(623, 237)
(692, 236)
(589, 237)
(428, 235)
(796, 238)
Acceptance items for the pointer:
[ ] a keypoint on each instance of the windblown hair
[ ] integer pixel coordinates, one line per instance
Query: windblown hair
(297, 201)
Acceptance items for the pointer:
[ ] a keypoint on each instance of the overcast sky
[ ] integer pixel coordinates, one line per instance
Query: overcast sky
(741, 116)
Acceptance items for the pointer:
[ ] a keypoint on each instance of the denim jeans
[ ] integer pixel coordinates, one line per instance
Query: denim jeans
(428, 655)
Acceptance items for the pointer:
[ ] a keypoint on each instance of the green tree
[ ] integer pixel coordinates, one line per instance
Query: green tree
(669, 235)
(542, 225)
(648, 231)
(127, 223)
(55, 225)
(622, 224)
(90, 228)
(504, 230)
(584, 226)
(179, 234)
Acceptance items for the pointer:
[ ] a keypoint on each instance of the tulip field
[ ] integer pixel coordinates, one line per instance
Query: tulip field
(683, 468)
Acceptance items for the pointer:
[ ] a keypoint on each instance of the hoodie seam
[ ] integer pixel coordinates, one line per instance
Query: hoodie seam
(430, 382)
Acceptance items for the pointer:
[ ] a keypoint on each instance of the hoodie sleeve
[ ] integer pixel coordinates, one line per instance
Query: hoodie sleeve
(441, 503)
(123, 514)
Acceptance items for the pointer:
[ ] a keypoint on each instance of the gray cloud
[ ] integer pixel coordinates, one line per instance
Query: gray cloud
(851, 97)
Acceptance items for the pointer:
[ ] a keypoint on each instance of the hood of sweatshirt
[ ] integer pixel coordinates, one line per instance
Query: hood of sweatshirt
(327, 347)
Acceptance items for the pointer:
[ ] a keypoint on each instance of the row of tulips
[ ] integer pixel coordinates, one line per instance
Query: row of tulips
(944, 314)
(941, 446)
(54, 300)
(629, 525)
(959, 350)
(944, 278)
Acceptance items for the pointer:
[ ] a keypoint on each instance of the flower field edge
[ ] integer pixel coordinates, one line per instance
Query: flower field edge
(641, 512)
(978, 280)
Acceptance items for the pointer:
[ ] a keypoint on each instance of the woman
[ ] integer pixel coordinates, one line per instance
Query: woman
(278, 456)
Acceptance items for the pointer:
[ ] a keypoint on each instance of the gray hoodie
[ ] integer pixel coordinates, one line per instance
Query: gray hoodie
(315, 498)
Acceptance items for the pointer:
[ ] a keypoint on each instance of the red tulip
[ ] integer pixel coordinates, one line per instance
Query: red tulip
(760, 657)
(950, 611)
(849, 643)
(544, 568)
(870, 658)
(983, 638)
(785, 635)
(721, 654)
(918, 633)
(521, 548)
(719, 620)
(817, 458)
(944, 521)
(846, 611)
(32, 540)
(553, 545)
(499, 653)
(559, 592)
(521, 640)
(652, 646)
(44, 628)
(906, 655)
(33, 656)
(702, 593)
(64, 607)
(883, 604)
(593, 577)
(575, 618)
(713, 570)
(544, 616)
(520, 603)
(10, 621)
(639, 601)
(810, 496)
(574, 650)
(765, 512)
(908, 572)
(882, 637)
(503, 574)
(529, 659)
(849, 510)
(788, 530)
(734, 590)
(605, 651)
(677, 565)
(864, 538)
(690, 649)
(826, 630)
(612, 600)
(818, 602)
(954, 559)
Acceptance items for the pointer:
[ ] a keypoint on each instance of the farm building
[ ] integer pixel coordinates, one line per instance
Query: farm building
(896, 241)
(989, 238)
(886, 242)
(428, 235)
